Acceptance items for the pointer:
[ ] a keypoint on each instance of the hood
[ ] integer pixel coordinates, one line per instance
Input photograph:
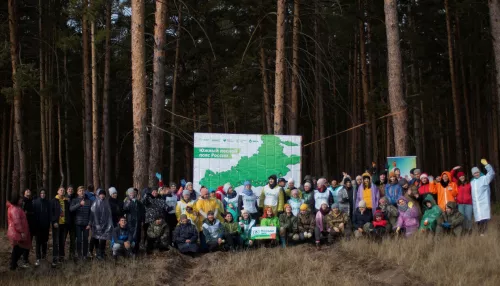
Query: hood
(403, 198)
(448, 174)
(403, 182)
(226, 187)
(428, 198)
(220, 189)
(308, 178)
(379, 213)
(452, 205)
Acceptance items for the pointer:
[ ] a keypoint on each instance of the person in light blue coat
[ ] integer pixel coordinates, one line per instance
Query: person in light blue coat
(480, 190)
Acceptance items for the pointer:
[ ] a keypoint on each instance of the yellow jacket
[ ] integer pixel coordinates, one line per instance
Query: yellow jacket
(203, 206)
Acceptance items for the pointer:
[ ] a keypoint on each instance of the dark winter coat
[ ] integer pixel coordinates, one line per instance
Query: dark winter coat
(116, 210)
(289, 223)
(134, 211)
(80, 213)
(184, 232)
(121, 235)
(42, 208)
(360, 219)
(156, 207)
(30, 214)
(71, 221)
(455, 219)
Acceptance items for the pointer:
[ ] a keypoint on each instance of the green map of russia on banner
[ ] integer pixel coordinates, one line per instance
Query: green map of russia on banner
(235, 158)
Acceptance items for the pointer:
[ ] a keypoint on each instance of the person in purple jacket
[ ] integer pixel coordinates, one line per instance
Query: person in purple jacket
(408, 221)
(368, 192)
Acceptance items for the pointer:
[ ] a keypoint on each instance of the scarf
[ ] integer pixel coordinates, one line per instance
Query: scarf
(444, 184)
(248, 192)
(273, 185)
(232, 195)
(403, 208)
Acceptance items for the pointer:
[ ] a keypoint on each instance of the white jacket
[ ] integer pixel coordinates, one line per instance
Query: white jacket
(481, 195)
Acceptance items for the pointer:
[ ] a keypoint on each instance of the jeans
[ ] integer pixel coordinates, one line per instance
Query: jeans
(82, 240)
(42, 237)
(466, 211)
(17, 252)
(58, 242)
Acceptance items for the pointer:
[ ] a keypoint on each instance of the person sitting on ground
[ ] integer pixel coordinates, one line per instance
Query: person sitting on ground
(361, 220)
(378, 227)
(213, 231)
(338, 223)
(249, 201)
(272, 196)
(306, 223)
(295, 202)
(288, 226)
(480, 190)
(270, 219)
(122, 243)
(158, 235)
(232, 201)
(391, 213)
(413, 199)
(186, 236)
(408, 218)
(334, 190)
(232, 232)
(246, 223)
(321, 229)
(450, 221)
(431, 214)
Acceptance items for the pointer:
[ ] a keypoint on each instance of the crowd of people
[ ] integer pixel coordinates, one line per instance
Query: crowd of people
(376, 204)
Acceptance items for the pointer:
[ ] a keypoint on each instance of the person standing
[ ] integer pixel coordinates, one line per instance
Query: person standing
(368, 192)
(134, 212)
(480, 190)
(248, 201)
(41, 208)
(272, 196)
(18, 230)
(80, 207)
(60, 216)
(70, 225)
(30, 216)
(101, 223)
(171, 200)
(116, 205)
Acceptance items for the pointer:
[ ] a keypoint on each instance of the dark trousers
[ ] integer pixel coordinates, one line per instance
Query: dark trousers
(42, 237)
(17, 252)
(482, 226)
(137, 241)
(145, 234)
(58, 242)
(172, 223)
(26, 252)
(82, 240)
(101, 247)
(93, 244)
(212, 245)
(71, 230)
(232, 241)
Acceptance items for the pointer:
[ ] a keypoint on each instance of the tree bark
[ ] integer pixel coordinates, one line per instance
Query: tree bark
(295, 68)
(456, 107)
(66, 139)
(280, 68)
(60, 153)
(96, 142)
(158, 102)
(88, 98)
(139, 100)
(364, 81)
(265, 88)
(494, 10)
(18, 124)
(42, 97)
(106, 100)
(3, 159)
(9, 154)
(174, 95)
(394, 71)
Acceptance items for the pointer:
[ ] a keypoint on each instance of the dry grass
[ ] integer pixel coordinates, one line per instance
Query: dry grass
(470, 260)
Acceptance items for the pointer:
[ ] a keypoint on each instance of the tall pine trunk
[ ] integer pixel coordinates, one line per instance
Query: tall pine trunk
(45, 163)
(66, 139)
(106, 100)
(158, 102)
(294, 114)
(280, 68)
(456, 107)
(174, 95)
(96, 142)
(265, 89)
(59, 145)
(88, 97)
(494, 9)
(366, 92)
(139, 100)
(18, 123)
(394, 72)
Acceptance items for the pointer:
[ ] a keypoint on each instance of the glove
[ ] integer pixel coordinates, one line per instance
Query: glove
(431, 179)
(158, 175)
(446, 225)
(484, 162)
(183, 183)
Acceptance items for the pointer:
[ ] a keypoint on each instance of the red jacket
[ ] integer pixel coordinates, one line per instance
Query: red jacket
(464, 196)
(18, 224)
(424, 189)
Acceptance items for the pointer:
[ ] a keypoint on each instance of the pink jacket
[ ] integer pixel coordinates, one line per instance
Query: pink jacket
(18, 224)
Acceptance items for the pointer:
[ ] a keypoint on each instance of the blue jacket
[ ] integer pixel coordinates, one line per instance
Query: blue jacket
(393, 192)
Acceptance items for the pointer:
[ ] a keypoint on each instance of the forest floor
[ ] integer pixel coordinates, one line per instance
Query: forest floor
(470, 260)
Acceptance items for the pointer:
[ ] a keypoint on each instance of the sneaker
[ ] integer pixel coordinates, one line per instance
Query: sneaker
(53, 264)
(37, 263)
(24, 265)
(482, 235)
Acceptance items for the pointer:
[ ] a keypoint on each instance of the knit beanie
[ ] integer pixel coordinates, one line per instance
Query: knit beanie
(112, 191)
(130, 191)
(347, 180)
(475, 170)
(304, 207)
(101, 192)
(335, 206)
(424, 175)
(460, 174)
(186, 192)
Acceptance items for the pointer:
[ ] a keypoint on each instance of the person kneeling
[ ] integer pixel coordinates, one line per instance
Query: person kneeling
(362, 219)
(305, 223)
(232, 232)
(158, 235)
(246, 224)
(338, 223)
(450, 221)
(121, 242)
(213, 232)
(378, 226)
(288, 226)
(186, 236)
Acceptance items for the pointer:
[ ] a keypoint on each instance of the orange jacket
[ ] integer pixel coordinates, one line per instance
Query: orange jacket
(444, 195)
